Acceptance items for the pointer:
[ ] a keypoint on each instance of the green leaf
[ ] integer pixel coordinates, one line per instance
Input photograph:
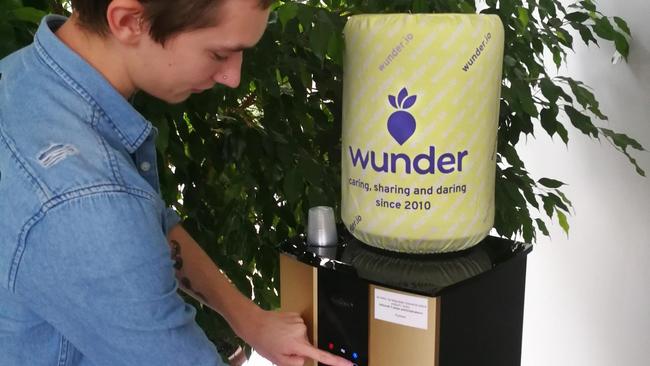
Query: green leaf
(538, 45)
(467, 8)
(563, 221)
(581, 121)
(564, 134)
(286, 12)
(555, 22)
(622, 140)
(585, 34)
(548, 119)
(640, 171)
(603, 28)
(523, 16)
(522, 91)
(293, 186)
(549, 7)
(28, 14)
(528, 231)
(306, 17)
(550, 183)
(8, 38)
(564, 197)
(311, 170)
(558, 202)
(335, 49)
(530, 196)
(510, 61)
(320, 35)
(622, 45)
(542, 226)
(588, 5)
(557, 56)
(549, 205)
(623, 25)
(551, 91)
(515, 195)
(162, 141)
(586, 98)
(577, 17)
(565, 38)
(420, 6)
(510, 154)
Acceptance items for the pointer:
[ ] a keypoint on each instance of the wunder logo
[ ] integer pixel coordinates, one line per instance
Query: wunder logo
(401, 126)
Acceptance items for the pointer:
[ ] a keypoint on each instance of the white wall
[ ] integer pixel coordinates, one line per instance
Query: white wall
(588, 295)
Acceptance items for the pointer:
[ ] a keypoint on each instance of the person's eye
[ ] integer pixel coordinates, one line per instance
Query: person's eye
(218, 57)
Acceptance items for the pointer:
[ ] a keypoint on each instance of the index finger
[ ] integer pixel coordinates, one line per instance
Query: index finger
(307, 350)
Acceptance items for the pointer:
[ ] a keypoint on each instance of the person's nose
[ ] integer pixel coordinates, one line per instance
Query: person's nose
(230, 74)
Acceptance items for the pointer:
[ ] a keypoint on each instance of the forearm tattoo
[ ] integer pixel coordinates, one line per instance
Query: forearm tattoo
(176, 255)
(178, 266)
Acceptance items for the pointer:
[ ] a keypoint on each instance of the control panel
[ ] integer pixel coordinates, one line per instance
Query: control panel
(343, 315)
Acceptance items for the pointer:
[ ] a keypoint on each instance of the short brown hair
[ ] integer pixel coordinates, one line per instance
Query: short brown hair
(166, 17)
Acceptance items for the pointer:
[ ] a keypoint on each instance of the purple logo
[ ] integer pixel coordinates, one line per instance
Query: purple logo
(401, 124)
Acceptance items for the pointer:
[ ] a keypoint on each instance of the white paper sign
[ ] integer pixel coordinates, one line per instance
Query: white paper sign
(397, 308)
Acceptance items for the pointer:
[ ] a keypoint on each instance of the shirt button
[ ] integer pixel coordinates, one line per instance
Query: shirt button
(145, 166)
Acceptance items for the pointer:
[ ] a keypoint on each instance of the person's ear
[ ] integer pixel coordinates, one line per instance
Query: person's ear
(126, 20)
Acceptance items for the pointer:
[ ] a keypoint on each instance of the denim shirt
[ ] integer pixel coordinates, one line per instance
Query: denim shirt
(86, 276)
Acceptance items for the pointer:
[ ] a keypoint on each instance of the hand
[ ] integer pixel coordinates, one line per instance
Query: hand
(282, 339)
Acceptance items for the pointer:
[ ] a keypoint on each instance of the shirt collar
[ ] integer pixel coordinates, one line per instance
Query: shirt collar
(129, 125)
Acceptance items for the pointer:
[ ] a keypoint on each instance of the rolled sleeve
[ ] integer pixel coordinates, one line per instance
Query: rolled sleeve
(171, 219)
(98, 269)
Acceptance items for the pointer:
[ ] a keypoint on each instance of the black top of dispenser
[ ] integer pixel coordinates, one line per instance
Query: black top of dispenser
(426, 274)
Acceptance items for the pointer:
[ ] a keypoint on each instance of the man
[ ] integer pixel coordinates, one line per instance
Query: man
(87, 277)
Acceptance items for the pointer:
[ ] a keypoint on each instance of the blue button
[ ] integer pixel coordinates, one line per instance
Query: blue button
(355, 355)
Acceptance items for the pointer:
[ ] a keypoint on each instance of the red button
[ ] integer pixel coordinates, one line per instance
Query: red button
(330, 346)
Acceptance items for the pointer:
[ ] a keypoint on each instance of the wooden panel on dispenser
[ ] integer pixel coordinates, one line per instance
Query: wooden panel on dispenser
(393, 344)
(298, 294)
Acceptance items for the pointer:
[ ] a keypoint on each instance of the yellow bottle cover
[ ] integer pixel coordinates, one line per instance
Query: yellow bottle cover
(420, 114)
